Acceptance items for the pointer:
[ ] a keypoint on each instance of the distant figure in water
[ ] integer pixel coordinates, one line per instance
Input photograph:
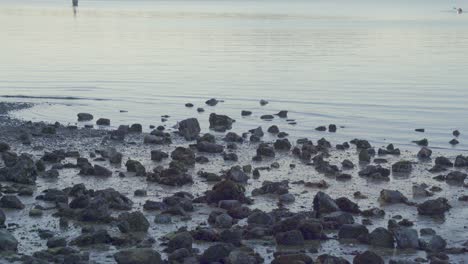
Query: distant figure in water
(75, 6)
(459, 11)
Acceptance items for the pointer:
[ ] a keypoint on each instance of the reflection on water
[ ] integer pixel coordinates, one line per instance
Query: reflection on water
(380, 69)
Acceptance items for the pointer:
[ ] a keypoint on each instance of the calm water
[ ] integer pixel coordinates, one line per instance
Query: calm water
(379, 68)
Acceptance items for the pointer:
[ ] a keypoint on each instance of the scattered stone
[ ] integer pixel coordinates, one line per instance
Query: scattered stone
(368, 257)
(85, 117)
(138, 256)
(189, 128)
(103, 122)
(434, 207)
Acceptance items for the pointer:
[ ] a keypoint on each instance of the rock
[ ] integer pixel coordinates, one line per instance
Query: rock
(246, 113)
(209, 147)
(136, 128)
(364, 156)
(56, 242)
(339, 218)
(434, 207)
(257, 132)
(329, 259)
(347, 205)
(321, 128)
(138, 256)
(226, 190)
(132, 222)
(424, 153)
(290, 238)
(236, 174)
(267, 117)
(51, 130)
(102, 171)
(233, 137)
(200, 110)
(311, 230)
(375, 172)
(368, 257)
(223, 221)
(435, 244)
(103, 122)
(172, 177)
(392, 197)
(158, 155)
(443, 161)
(268, 187)
(454, 142)
(292, 258)
(92, 237)
(241, 257)
(456, 177)
(263, 102)
(7, 241)
(220, 123)
(180, 240)
(402, 166)
(273, 129)
(216, 253)
(212, 102)
(184, 155)
(11, 201)
(260, 218)
(162, 219)
(23, 171)
(85, 117)
(381, 237)
(135, 166)
(2, 218)
(35, 212)
(113, 155)
(189, 128)
(352, 231)
(152, 139)
(406, 238)
(323, 203)
(282, 144)
(422, 142)
(332, 128)
(265, 150)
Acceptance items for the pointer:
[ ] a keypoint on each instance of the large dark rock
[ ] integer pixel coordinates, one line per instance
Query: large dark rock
(352, 231)
(329, 259)
(184, 155)
(381, 237)
(85, 117)
(135, 166)
(11, 201)
(220, 123)
(216, 253)
(226, 190)
(189, 128)
(323, 203)
(265, 150)
(292, 258)
(402, 166)
(180, 240)
(2, 218)
(392, 197)
(434, 207)
(23, 171)
(138, 256)
(7, 241)
(406, 238)
(158, 155)
(368, 257)
(132, 222)
(290, 238)
(209, 147)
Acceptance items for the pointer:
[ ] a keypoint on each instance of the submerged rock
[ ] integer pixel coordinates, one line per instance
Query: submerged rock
(434, 207)
(7, 241)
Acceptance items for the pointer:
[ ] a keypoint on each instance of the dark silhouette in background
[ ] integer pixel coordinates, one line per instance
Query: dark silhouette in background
(75, 6)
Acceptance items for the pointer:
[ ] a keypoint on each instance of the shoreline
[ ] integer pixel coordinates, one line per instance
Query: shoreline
(193, 191)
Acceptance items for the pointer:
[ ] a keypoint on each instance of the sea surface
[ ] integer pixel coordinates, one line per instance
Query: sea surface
(377, 69)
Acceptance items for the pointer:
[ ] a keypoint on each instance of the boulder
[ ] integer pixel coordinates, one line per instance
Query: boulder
(7, 241)
(353, 231)
(323, 203)
(368, 257)
(216, 253)
(434, 207)
(132, 222)
(290, 238)
(138, 256)
(406, 238)
(189, 128)
(392, 197)
(381, 237)
(11, 201)
(220, 123)
(85, 117)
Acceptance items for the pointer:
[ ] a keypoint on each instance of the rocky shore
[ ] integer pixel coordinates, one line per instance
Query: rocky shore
(73, 194)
